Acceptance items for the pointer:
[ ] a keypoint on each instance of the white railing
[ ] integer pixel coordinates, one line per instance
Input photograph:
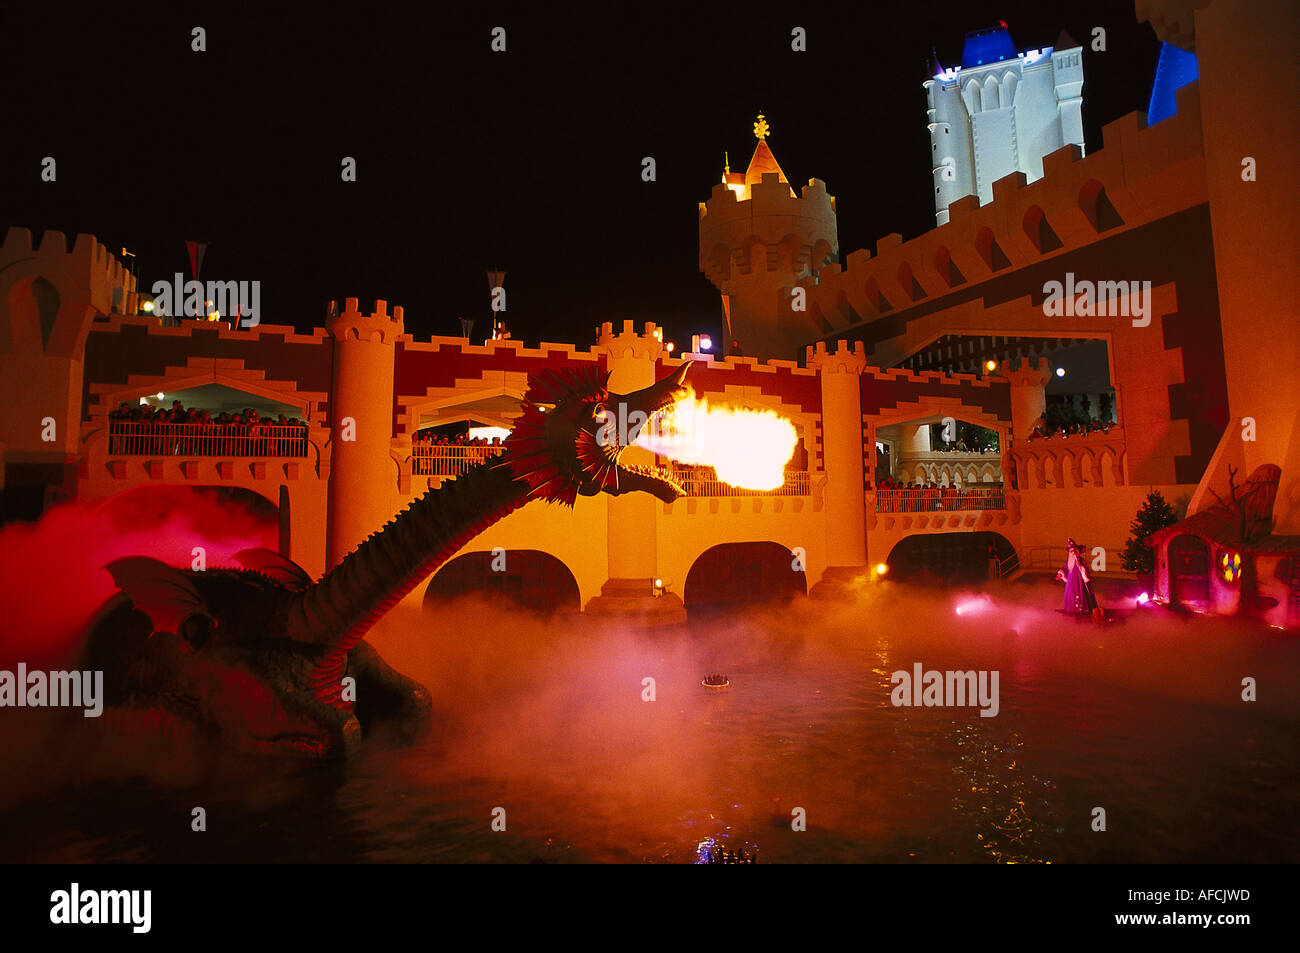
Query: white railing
(428, 459)
(140, 438)
(933, 501)
(703, 481)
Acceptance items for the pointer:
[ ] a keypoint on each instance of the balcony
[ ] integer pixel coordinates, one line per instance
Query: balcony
(940, 501)
(437, 460)
(704, 482)
(147, 439)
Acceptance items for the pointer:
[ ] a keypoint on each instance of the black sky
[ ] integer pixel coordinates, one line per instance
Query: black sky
(528, 160)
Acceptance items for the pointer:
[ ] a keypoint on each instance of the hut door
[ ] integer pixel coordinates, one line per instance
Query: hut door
(1189, 569)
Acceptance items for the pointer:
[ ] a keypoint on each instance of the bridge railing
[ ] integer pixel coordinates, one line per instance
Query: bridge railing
(942, 500)
(703, 481)
(139, 438)
(429, 459)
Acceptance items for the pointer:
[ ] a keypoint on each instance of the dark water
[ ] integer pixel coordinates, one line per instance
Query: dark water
(1143, 718)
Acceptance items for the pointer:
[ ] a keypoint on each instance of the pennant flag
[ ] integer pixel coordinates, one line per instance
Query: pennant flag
(196, 250)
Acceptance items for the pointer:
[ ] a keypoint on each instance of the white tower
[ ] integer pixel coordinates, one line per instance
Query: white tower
(1000, 112)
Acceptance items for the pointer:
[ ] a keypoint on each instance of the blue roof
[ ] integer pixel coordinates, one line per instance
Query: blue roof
(987, 46)
(1175, 70)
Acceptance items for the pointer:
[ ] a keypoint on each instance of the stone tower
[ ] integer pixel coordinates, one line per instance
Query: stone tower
(757, 239)
(362, 473)
(1000, 112)
(48, 298)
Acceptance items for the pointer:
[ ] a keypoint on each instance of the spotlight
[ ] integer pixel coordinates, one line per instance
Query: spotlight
(706, 343)
(1060, 372)
(147, 307)
(670, 347)
(990, 366)
(1143, 599)
(882, 569)
(159, 395)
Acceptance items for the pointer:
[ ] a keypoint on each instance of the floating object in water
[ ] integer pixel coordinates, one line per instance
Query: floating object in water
(711, 852)
(715, 681)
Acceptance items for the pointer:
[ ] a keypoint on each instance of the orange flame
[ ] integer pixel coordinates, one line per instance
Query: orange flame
(747, 448)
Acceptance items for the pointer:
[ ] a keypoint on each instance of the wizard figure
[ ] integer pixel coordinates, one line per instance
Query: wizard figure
(1078, 584)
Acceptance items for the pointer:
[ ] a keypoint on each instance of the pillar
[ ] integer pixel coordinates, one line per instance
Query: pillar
(844, 500)
(363, 476)
(633, 551)
(1028, 395)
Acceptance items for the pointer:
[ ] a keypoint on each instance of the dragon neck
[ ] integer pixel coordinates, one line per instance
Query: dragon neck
(348, 600)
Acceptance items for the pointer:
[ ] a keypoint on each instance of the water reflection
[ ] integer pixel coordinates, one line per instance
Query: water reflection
(546, 720)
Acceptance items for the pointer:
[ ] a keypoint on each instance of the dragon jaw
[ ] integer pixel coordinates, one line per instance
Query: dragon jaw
(573, 434)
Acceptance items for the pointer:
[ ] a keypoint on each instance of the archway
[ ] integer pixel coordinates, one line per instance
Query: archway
(177, 518)
(523, 578)
(947, 557)
(732, 573)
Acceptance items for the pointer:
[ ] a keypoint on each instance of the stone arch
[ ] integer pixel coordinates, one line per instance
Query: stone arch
(1105, 465)
(988, 474)
(948, 271)
(989, 250)
(33, 311)
(878, 300)
(1051, 470)
(235, 516)
(1087, 468)
(1039, 230)
(970, 95)
(989, 98)
(907, 281)
(743, 572)
(1007, 94)
(525, 578)
(1097, 207)
(953, 555)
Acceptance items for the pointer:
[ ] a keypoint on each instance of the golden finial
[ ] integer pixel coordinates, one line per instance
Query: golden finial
(761, 128)
(726, 163)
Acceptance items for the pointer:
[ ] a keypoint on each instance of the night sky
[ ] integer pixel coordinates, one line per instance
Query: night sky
(467, 159)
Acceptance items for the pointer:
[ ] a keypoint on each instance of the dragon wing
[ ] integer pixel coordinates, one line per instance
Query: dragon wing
(270, 563)
(166, 595)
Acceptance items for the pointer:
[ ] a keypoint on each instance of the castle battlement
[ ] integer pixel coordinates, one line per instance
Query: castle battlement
(352, 323)
(52, 259)
(1141, 175)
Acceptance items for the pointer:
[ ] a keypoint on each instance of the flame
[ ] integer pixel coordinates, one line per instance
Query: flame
(747, 448)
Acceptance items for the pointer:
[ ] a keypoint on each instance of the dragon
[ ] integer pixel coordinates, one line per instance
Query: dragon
(257, 657)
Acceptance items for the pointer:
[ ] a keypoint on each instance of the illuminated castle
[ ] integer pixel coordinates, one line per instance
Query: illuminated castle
(1000, 112)
(863, 356)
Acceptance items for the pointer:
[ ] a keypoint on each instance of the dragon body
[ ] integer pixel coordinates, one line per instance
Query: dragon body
(259, 657)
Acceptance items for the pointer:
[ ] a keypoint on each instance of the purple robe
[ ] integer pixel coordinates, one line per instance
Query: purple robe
(1078, 590)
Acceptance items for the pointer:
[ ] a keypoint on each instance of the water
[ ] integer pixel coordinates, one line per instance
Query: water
(547, 720)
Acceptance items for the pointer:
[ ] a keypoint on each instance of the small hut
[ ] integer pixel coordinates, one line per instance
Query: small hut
(1224, 559)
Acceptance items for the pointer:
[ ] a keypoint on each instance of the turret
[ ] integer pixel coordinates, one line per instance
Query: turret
(49, 295)
(757, 240)
(363, 477)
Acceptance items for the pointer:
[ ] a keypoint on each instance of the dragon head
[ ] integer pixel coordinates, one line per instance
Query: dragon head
(574, 433)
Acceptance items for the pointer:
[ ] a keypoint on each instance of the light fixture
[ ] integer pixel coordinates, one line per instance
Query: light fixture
(160, 395)
(147, 307)
(670, 347)
(882, 569)
(1060, 372)
(706, 343)
(990, 366)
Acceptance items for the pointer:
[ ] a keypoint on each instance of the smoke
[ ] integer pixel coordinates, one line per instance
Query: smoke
(549, 719)
(52, 576)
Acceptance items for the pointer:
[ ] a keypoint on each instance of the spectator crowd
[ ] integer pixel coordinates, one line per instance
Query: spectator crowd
(143, 429)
